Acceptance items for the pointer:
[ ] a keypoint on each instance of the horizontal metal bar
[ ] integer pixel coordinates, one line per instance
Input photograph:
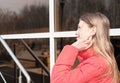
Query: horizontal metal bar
(26, 36)
(113, 32)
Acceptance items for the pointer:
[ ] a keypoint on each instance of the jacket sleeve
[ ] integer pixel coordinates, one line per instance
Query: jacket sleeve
(62, 72)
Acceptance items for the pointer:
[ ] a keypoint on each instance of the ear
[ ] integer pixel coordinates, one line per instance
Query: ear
(93, 31)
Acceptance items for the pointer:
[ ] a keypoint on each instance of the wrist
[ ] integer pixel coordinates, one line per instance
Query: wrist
(75, 46)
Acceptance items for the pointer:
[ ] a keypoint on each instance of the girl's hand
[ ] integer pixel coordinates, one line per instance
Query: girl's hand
(83, 44)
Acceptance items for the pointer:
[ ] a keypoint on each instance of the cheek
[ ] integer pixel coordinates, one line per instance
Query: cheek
(84, 34)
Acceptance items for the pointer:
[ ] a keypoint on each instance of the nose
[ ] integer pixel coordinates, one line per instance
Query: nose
(76, 33)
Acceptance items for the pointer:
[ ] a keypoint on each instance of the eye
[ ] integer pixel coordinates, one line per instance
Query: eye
(79, 27)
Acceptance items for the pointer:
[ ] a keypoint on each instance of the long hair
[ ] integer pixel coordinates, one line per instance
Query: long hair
(101, 41)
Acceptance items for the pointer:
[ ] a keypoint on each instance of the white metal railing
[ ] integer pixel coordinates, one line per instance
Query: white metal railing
(51, 34)
(3, 78)
(15, 60)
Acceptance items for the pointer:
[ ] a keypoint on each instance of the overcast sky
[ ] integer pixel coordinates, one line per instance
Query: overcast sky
(16, 5)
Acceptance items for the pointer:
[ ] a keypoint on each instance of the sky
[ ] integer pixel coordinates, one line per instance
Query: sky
(17, 5)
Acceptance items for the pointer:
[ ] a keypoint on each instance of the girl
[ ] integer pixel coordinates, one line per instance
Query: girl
(94, 50)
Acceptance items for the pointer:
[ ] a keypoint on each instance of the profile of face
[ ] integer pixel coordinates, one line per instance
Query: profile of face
(84, 31)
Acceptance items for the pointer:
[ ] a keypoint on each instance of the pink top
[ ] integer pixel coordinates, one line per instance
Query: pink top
(92, 67)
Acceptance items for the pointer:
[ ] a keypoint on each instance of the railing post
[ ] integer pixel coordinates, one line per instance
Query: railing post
(35, 57)
(3, 77)
(15, 59)
(15, 66)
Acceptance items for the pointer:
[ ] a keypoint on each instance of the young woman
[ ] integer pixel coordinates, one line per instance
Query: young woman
(94, 50)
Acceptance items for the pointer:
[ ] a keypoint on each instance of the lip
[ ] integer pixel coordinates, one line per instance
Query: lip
(77, 37)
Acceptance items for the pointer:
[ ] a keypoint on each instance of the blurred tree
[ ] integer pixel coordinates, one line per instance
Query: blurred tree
(30, 17)
(73, 9)
(34, 17)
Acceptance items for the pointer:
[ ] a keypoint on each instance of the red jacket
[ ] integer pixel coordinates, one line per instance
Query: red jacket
(92, 67)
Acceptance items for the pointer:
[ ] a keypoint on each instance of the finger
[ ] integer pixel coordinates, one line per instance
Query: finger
(89, 45)
(88, 40)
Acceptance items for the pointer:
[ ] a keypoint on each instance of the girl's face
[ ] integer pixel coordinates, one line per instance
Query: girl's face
(83, 31)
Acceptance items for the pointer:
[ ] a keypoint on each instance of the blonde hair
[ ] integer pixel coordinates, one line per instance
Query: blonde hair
(101, 40)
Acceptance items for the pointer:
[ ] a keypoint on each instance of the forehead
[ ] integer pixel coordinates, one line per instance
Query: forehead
(82, 23)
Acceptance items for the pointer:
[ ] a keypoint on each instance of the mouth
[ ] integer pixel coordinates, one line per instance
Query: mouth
(77, 38)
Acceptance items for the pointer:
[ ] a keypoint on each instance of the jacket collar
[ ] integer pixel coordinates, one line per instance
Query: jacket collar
(83, 55)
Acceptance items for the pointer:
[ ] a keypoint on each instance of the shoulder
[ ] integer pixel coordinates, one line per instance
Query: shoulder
(98, 63)
(93, 67)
